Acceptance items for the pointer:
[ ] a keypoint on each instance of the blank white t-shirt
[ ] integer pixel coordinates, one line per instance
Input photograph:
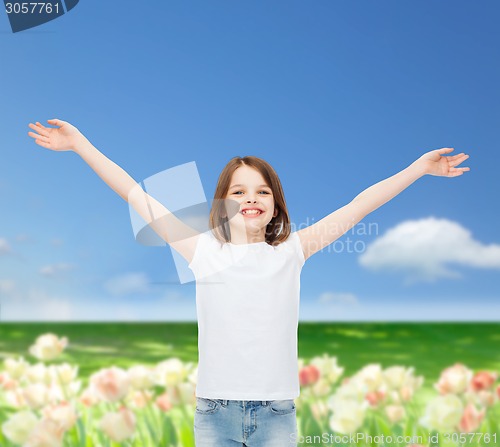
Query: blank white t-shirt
(247, 303)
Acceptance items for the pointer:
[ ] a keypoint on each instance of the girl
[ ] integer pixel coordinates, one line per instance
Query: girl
(247, 271)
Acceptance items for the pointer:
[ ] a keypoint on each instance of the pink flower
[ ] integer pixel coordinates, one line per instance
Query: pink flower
(406, 393)
(6, 382)
(375, 397)
(63, 414)
(111, 384)
(471, 419)
(89, 397)
(482, 381)
(309, 375)
(454, 379)
(163, 402)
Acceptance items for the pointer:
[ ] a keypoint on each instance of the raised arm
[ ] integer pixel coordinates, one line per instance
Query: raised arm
(67, 137)
(327, 230)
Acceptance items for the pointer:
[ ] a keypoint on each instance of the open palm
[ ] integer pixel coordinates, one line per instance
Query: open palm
(445, 166)
(57, 139)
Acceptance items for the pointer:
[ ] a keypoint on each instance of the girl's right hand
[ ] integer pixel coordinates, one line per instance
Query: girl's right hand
(63, 138)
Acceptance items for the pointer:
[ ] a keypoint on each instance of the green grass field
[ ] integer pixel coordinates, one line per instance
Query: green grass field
(429, 347)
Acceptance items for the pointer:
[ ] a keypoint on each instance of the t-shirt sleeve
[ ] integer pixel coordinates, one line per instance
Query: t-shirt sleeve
(296, 247)
(201, 250)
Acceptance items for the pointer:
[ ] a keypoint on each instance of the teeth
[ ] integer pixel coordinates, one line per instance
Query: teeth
(251, 212)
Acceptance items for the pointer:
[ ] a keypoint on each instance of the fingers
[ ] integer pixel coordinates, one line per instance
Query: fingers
(41, 130)
(457, 159)
(41, 125)
(56, 122)
(42, 141)
(454, 172)
(38, 137)
(444, 150)
(454, 157)
(43, 144)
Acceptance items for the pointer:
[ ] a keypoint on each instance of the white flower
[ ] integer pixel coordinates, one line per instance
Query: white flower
(348, 416)
(38, 373)
(170, 372)
(371, 376)
(46, 433)
(15, 398)
(15, 368)
(443, 413)
(48, 347)
(19, 426)
(183, 393)
(63, 374)
(141, 377)
(395, 376)
(352, 390)
(119, 426)
(395, 412)
(328, 367)
(321, 388)
(63, 414)
(36, 395)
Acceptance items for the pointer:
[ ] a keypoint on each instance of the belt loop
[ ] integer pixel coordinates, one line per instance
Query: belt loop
(264, 403)
(224, 402)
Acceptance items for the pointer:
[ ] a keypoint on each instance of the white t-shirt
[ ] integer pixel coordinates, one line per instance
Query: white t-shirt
(247, 304)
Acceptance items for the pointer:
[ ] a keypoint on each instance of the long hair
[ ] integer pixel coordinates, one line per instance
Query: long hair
(278, 229)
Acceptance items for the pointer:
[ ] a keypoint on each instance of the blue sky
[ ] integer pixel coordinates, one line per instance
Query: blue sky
(335, 95)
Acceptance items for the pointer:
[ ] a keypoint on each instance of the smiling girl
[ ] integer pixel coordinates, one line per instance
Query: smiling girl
(247, 270)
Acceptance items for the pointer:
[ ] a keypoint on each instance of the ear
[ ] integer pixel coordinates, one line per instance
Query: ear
(275, 212)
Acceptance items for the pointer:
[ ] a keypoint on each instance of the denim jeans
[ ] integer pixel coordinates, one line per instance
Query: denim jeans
(247, 423)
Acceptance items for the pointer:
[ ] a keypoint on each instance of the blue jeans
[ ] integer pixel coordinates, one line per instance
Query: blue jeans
(247, 423)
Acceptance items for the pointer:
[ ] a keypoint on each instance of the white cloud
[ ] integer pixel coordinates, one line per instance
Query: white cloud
(128, 284)
(423, 249)
(420, 309)
(342, 299)
(333, 304)
(57, 242)
(35, 304)
(23, 237)
(56, 270)
(5, 247)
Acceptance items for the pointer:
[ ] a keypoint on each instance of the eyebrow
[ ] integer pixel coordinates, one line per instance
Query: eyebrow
(260, 186)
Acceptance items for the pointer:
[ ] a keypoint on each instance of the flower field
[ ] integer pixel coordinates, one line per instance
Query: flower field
(361, 384)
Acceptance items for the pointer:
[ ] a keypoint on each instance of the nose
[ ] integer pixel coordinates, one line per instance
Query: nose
(250, 200)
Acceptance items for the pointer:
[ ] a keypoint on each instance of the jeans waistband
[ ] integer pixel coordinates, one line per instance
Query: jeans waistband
(246, 402)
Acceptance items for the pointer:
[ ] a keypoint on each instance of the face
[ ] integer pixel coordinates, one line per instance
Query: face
(249, 201)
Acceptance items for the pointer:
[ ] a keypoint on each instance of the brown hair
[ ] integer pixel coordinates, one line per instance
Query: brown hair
(278, 229)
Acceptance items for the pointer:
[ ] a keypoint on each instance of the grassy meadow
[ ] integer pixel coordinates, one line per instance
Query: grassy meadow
(429, 348)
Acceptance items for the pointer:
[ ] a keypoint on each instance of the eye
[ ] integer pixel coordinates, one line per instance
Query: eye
(238, 192)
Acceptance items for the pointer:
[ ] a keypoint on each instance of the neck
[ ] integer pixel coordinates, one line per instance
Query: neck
(248, 238)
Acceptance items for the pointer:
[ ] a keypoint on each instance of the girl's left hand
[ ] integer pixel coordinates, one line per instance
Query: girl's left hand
(435, 163)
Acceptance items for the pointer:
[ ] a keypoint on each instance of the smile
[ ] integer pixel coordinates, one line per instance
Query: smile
(251, 213)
